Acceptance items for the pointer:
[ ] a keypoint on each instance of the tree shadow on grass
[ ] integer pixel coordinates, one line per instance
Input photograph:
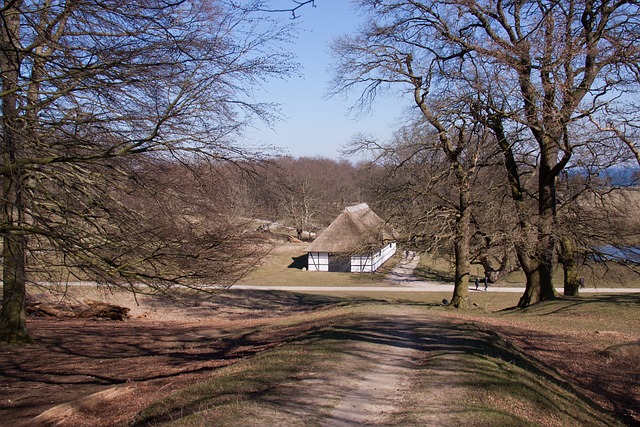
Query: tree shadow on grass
(427, 273)
(243, 303)
(75, 358)
(567, 303)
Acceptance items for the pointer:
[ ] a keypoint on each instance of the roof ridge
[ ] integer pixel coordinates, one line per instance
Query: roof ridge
(356, 225)
(355, 208)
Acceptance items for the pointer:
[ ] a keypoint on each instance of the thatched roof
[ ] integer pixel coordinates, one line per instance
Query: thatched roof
(356, 229)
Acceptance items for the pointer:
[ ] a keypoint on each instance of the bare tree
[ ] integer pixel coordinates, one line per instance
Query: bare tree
(560, 62)
(428, 189)
(300, 204)
(92, 89)
(315, 190)
(596, 226)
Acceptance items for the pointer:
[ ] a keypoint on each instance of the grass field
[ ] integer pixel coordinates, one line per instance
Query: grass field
(286, 266)
(596, 275)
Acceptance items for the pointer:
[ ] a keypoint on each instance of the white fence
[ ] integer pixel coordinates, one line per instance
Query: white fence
(370, 263)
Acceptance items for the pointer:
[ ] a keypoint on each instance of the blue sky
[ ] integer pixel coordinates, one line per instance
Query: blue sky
(311, 124)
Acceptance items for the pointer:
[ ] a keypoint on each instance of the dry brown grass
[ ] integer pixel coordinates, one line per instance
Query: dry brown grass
(284, 267)
(244, 356)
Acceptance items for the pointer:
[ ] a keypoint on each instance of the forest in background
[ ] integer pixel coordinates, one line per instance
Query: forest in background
(306, 194)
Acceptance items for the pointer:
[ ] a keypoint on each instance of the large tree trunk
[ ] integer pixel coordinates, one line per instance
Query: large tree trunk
(536, 290)
(547, 221)
(539, 286)
(13, 323)
(13, 326)
(532, 289)
(538, 269)
(530, 268)
(460, 298)
(568, 261)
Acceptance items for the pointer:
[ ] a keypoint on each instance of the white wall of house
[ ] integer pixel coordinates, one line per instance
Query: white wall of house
(361, 264)
(370, 263)
(318, 261)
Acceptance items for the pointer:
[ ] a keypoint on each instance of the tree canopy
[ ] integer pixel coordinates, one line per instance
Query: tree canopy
(537, 75)
(93, 93)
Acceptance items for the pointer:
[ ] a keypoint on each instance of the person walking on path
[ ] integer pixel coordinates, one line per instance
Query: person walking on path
(486, 283)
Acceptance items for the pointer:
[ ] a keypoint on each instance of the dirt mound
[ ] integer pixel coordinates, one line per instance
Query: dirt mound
(61, 414)
(630, 350)
(90, 309)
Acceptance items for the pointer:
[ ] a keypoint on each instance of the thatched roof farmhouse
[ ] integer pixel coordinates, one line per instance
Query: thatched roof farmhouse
(358, 240)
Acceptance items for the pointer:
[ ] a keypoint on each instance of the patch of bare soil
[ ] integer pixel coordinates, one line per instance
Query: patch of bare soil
(382, 360)
(371, 394)
(370, 397)
(365, 388)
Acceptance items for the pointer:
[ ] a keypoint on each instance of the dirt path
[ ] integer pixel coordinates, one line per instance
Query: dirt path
(374, 382)
(374, 394)
(403, 272)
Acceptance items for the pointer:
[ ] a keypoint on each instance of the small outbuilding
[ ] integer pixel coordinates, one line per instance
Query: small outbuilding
(357, 241)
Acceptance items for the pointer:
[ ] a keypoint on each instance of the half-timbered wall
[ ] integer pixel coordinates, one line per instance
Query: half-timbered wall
(318, 261)
(370, 263)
